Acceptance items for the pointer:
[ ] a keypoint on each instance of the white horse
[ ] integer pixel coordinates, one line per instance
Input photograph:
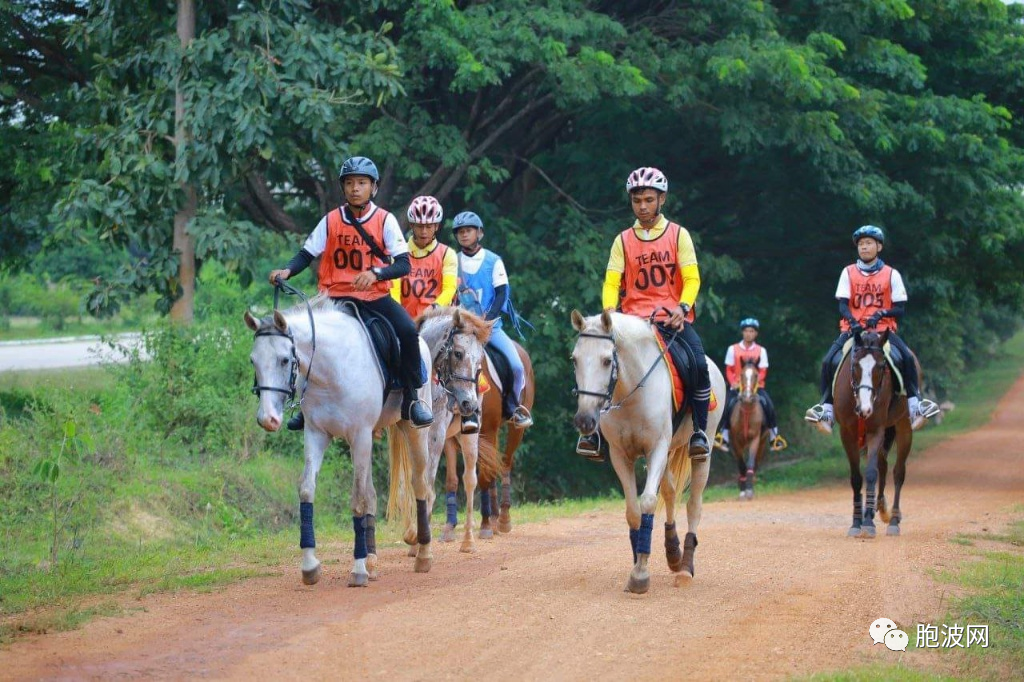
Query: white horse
(624, 386)
(343, 397)
(456, 339)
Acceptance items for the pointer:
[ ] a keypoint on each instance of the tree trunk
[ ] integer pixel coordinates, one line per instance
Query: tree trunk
(184, 245)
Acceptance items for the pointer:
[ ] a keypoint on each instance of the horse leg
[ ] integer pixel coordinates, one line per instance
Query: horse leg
(736, 448)
(904, 440)
(417, 440)
(451, 492)
(673, 554)
(493, 492)
(849, 438)
(470, 443)
(755, 442)
(874, 445)
(657, 463)
(361, 446)
(486, 532)
(699, 472)
(627, 478)
(513, 437)
(315, 442)
(883, 472)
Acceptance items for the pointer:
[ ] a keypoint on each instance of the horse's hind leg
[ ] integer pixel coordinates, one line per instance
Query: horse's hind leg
(741, 480)
(513, 437)
(904, 440)
(883, 472)
(451, 491)
(699, 472)
(315, 443)
(673, 554)
(470, 443)
(417, 440)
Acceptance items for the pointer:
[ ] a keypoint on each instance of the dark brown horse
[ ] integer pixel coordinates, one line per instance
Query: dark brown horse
(872, 417)
(748, 438)
(490, 424)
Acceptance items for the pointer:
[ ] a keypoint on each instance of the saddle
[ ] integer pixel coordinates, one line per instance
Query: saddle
(385, 344)
(503, 379)
(682, 369)
(892, 356)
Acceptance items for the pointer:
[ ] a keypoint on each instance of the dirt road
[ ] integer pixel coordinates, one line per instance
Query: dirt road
(779, 590)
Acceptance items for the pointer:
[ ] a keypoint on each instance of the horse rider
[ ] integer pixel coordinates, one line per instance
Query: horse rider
(484, 289)
(357, 239)
(748, 350)
(871, 295)
(654, 265)
(433, 266)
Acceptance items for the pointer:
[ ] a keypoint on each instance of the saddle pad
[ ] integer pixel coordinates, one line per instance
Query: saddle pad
(678, 390)
(499, 370)
(887, 349)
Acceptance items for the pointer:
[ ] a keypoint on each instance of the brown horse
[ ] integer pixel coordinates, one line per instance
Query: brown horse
(488, 444)
(871, 418)
(748, 437)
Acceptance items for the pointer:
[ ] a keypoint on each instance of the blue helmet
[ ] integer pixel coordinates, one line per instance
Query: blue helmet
(749, 322)
(875, 233)
(467, 219)
(359, 165)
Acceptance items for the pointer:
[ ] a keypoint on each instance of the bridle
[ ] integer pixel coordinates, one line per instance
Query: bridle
(870, 387)
(753, 391)
(446, 373)
(289, 391)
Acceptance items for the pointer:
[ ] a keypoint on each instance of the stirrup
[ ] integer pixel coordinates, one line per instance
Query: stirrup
(927, 408)
(779, 443)
(720, 443)
(815, 414)
(424, 419)
(590, 447)
(698, 451)
(521, 417)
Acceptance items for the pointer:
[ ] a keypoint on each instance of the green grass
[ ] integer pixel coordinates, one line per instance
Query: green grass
(878, 673)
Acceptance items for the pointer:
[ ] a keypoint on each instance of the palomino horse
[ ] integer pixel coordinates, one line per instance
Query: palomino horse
(342, 398)
(456, 340)
(871, 417)
(490, 425)
(614, 358)
(748, 437)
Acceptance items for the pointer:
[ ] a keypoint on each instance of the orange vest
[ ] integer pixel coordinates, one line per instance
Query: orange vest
(870, 293)
(347, 255)
(740, 355)
(422, 286)
(652, 279)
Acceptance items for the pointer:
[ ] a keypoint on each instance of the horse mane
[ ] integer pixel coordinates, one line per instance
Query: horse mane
(628, 329)
(435, 320)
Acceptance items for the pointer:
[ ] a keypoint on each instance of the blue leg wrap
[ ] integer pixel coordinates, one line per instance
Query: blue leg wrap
(306, 537)
(485, 503)
(633, 534)
(643, 540)
(359, 526)
(453, 510)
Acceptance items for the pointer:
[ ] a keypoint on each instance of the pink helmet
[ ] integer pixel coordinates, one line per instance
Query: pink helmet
(647, 177)
(425, 209)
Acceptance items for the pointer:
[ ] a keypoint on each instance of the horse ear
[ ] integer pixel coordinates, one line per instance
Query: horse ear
(606, 321)
(457, 318)
(280, 322)
(857, 340)
(251, 322)
(577, 320)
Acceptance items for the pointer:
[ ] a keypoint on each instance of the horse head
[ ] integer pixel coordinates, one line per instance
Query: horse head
(869, 370)
(595, 363)
(750, 379)
(459, 359)
(274, 361)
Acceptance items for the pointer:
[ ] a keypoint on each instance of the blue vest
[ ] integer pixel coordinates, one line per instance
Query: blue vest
(476, 291)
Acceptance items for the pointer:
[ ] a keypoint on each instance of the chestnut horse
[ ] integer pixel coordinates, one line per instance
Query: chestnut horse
(491, 420)
(872, 417)
(748, 437)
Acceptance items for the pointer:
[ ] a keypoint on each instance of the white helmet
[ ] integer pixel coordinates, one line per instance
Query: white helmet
(425, 210)
(647, 178)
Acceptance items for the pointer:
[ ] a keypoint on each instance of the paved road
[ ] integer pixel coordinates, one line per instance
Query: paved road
(80, 351)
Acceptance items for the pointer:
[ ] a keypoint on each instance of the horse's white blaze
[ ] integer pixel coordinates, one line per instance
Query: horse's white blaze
(867, 366)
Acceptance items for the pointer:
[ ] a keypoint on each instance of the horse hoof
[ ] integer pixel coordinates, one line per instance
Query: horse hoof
(638, 585)
(867, 532)
(412, 551)
(312, 576)
(486, 534)
(371, 567)
(750, 495)
(358, 579)
(505, 527)
(892, 529)
(854, 532)
(684, 579)
(448, 534)
(423, 564)
(468, 547)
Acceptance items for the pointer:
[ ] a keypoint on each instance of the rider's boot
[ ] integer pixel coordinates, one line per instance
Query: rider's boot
(297, 423)
(590, 447)
(821, 416)
(921, 411)
(416, 411)
(521, 417)
(699, 447)
(777, 441)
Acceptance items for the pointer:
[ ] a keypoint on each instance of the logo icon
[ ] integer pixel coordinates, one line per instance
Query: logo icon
(879, 629)
(896, 640)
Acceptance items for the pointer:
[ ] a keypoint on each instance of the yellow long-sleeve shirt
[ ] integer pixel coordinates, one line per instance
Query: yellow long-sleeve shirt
(686, 255)
(449, 273)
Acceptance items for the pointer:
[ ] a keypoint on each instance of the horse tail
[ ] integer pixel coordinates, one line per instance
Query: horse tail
(488, 463)
(679, 470)
(401, 494)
